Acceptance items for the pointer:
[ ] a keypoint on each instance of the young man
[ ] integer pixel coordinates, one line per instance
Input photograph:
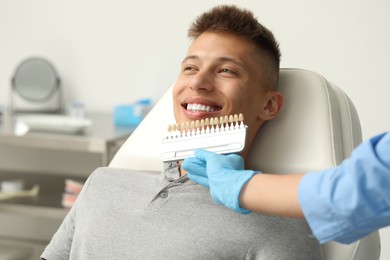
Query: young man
(231, 67)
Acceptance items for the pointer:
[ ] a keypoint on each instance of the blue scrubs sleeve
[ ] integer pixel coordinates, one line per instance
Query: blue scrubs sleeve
(348, 202)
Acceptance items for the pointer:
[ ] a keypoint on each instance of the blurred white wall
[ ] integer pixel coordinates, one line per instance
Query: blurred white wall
(113, 52)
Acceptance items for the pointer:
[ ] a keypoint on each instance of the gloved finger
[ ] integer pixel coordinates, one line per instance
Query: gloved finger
(199, 179)
(194, 166)
(236, 160)
(234, 156)
(204, 155)
(212, 158)
(229, 161)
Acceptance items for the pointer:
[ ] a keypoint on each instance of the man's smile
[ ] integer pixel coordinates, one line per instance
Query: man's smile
(195, 107)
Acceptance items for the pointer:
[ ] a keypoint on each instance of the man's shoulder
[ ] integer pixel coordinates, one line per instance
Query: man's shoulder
(123, 171)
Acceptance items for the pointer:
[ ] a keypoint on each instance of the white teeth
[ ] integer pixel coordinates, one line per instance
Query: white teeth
(200, 107)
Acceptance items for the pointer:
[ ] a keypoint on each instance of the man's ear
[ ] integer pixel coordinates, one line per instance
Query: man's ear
(273, 102)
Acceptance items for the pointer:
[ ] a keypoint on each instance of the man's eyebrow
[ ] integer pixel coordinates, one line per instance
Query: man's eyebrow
(220, 59)
(191, 57)
(234, 61)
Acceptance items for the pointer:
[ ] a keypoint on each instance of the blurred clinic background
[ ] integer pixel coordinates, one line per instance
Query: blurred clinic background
(110, 53)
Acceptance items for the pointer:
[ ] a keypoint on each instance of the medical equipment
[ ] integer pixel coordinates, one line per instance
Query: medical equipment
(132, 114)
(221, 135)
(51, 123)
(36, 87)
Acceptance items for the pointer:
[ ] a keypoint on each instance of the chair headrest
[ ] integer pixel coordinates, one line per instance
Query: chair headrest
(317, 128)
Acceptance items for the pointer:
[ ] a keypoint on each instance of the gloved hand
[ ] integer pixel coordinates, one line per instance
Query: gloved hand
(223, 174)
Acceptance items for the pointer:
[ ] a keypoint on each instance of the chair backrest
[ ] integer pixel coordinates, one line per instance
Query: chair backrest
(318, 127)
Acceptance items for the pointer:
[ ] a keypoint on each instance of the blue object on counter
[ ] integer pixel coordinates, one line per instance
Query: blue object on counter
(131, 114)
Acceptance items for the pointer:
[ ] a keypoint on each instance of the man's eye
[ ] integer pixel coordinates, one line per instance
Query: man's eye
(188, 68)
(225, 70)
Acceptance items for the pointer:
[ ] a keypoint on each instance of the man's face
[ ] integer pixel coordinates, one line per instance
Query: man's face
(220, 76)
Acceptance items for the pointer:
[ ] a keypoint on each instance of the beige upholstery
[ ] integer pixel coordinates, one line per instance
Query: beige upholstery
(317, 128)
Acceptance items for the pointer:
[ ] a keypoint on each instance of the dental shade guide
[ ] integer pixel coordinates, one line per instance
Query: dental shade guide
(222, 135)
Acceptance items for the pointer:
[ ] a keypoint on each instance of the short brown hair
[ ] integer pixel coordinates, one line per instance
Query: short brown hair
(240, 22)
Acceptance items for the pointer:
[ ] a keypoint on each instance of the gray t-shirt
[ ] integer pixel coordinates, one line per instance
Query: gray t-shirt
(124, 214)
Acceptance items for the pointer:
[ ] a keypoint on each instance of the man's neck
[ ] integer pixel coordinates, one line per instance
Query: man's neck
(181, 170)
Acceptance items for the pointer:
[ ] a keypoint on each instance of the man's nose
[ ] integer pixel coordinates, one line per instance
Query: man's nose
(202, 81)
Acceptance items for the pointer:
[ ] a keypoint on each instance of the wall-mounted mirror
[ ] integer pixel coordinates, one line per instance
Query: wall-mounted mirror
(36, 87)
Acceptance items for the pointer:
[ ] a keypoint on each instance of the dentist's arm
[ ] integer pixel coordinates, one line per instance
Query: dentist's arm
(272, 194)
(348, 202)
(343, 203)
(244, 190)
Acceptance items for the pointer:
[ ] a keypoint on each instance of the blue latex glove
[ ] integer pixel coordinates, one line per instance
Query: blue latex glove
(223, 174)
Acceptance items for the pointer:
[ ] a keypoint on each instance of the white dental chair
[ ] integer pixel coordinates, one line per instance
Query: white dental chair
(317, 128)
